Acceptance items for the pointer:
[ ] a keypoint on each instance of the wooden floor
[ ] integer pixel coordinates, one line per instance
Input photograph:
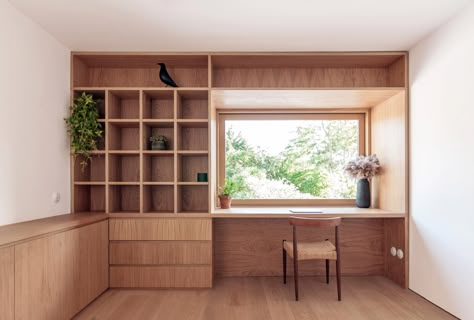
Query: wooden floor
(267, 298)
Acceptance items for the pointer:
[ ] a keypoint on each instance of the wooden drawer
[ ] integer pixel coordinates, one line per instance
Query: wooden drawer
(161, 229)
(160, 252)
(161, 277)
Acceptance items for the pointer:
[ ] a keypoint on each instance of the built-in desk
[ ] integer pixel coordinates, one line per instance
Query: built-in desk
(247, 240)
(316, 212)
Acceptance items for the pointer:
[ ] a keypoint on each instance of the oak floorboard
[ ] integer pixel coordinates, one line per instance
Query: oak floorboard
(267, 298)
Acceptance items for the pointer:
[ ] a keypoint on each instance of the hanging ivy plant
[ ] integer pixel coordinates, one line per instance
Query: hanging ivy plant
(83, 128)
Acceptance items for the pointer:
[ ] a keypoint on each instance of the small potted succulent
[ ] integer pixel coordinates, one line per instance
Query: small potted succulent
(158, 142)
(363, 168)
(227, 190)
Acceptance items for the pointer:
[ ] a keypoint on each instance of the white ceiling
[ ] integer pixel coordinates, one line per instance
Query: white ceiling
(239, 25)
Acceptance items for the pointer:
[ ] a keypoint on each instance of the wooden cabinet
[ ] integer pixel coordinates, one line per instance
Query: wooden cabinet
(7, 283)
(58, 275)
(160, 252)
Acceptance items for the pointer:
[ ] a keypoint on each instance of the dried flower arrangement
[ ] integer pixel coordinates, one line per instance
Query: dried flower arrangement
(363, 167)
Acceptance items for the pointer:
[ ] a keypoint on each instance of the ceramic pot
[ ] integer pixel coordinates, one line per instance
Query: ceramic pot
(158, 145)
(225, 201)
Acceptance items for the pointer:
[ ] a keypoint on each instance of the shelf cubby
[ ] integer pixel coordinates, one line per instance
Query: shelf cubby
(190, 165)
(158, 198)
(93, 172)
(193, 198)
(192, 104)
(89, 198)
(158, 104)
(124, 168)
(124, 104)
(158, 168)
(193, 136)
(124, 198)
(308, 70)
(139, 70)
(151, 128)
(124, 136)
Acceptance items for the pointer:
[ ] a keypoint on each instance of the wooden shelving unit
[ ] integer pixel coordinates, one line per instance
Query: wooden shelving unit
(126, 176)
(128, 180)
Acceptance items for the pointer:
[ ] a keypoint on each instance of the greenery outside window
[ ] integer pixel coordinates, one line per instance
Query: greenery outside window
(290, 158)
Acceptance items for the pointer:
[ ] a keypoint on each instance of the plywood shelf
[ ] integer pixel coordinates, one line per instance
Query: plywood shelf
(124, 136)
(89, 183)
(158, 152)
(192, 105)
(193, 198)
(165, 129)
(306, 70)
(93, 172)
(193, 183)
(139, 70)
(124, 168)
(89, 198)
(158, 167)
(158, 198)
(123, 104)
(189, 165)
(124, 198)
(158, 104)
(191, 152)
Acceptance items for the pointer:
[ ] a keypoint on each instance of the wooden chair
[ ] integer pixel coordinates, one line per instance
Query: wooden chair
(319, 250)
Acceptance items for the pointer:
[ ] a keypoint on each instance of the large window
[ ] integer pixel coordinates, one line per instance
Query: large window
(290, 158)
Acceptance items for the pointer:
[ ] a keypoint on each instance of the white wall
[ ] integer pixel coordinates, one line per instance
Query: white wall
(442, 166)
(34, 97)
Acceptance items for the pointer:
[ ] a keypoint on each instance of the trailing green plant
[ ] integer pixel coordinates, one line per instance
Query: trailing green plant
(83, 127)
(231, 187)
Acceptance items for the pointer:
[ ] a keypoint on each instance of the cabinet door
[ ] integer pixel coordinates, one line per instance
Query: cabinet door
(58, 275)
(7, 290)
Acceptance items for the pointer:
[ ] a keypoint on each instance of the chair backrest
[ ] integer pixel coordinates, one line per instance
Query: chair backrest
(314, 222)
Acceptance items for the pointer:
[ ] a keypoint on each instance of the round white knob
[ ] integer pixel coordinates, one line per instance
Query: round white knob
(393, 251)
(400, 254)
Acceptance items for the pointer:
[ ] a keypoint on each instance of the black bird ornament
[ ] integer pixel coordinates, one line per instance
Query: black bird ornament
(165, 76)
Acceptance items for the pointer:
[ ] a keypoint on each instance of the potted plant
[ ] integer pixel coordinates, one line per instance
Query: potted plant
(363, 168)
(158, 142)
(226, 191)
(83, 128)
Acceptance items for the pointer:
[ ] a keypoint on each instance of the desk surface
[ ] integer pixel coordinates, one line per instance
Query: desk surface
(25, 231)
(316, 212)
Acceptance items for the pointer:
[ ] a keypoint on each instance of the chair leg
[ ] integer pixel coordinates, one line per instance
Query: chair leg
(295, 270)
(338, 274)
(284, 263)
(327, 271)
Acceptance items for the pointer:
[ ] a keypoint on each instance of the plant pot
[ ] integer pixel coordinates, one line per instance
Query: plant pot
(363, 193)
(158, 145)
(225, 201)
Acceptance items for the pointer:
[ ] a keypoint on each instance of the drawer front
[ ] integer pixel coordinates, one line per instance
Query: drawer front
(161, 277)
(161, 229)
(160, 252)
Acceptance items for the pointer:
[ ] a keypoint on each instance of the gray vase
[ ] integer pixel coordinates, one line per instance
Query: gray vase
(363, 193)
